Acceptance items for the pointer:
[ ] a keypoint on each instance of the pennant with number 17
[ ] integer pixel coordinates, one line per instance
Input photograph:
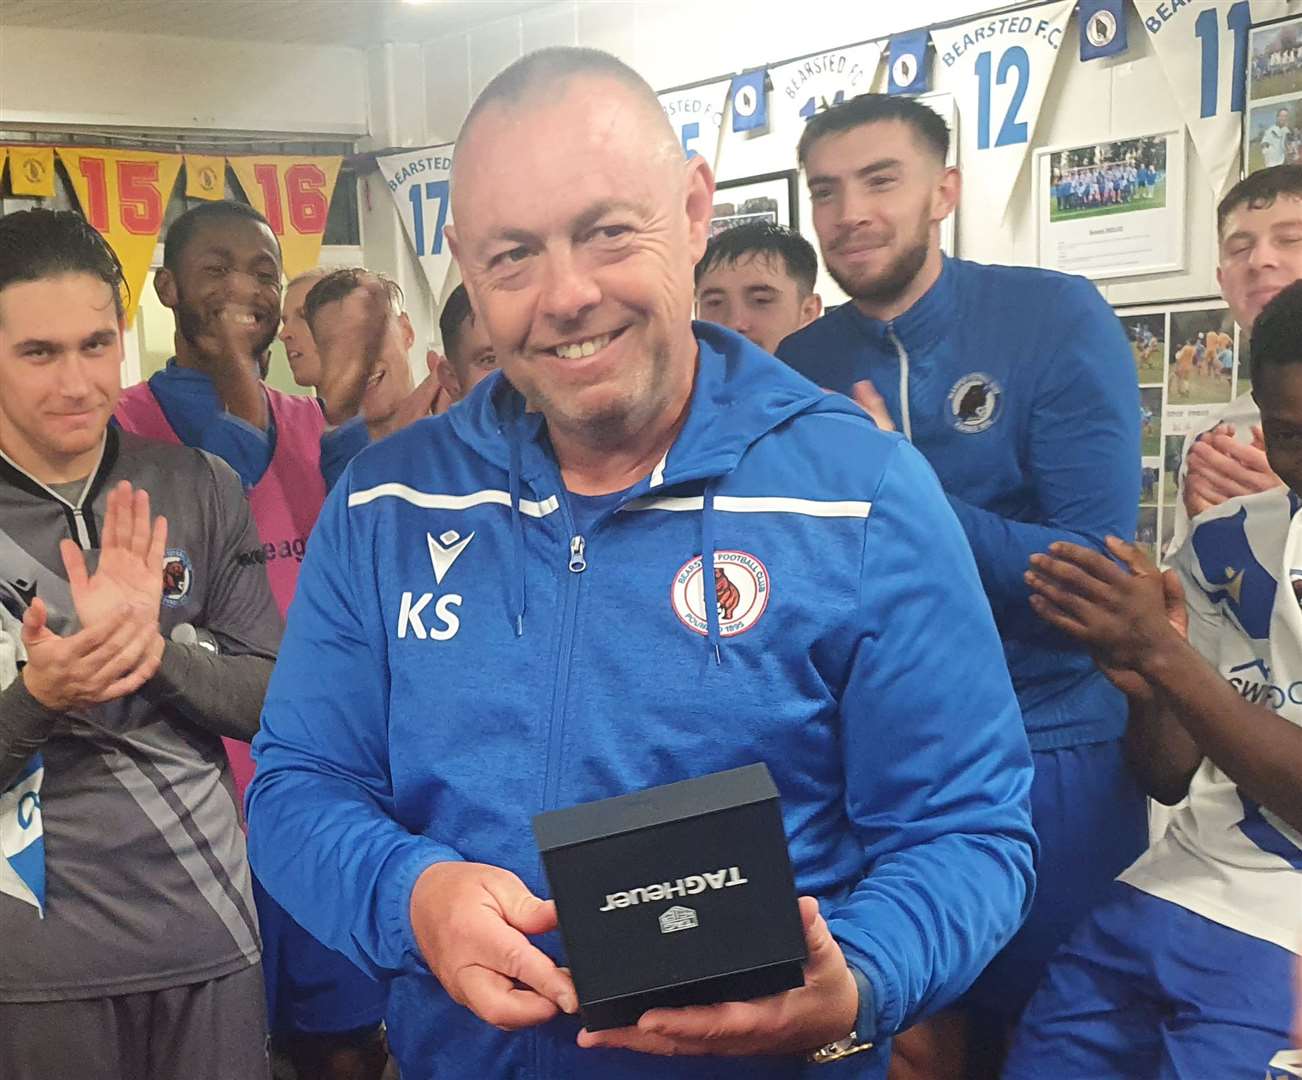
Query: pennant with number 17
(420, 183)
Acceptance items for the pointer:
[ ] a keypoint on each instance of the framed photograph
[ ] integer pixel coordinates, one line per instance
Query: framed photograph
(1112, 209)
(1273, 133)
(1200, 363)
(1272, 121)
(770, 197)
(1275, 59)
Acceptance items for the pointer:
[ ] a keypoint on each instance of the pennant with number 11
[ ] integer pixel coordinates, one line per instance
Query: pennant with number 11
(1203, 50)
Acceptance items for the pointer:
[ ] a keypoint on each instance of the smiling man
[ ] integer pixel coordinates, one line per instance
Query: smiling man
(221, 278)
(1018, 387)
(488, 626)
(362, 337)
(130, 942)
(1259, 253)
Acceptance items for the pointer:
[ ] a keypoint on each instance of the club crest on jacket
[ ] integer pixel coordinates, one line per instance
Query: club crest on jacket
(741, 585)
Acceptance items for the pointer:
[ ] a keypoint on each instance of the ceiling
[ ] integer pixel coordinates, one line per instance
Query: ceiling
(355, 23)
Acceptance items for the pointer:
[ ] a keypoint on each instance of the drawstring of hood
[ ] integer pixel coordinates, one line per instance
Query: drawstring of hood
(517, 537)
(740, 395)
(707, 571)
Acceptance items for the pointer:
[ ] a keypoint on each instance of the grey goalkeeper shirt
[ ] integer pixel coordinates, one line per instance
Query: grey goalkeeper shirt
(147, 882)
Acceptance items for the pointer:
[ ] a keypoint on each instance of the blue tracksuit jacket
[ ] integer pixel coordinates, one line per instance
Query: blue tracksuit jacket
(1019, 388)
(457, 660)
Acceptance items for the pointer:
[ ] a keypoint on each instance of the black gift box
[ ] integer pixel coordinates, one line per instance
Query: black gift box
(677, 895)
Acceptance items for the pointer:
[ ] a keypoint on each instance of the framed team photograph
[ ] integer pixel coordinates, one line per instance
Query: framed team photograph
(1112, 209)
(1275, 59)
(771, 197)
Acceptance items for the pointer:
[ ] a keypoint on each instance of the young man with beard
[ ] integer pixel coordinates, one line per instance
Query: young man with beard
(488, 626)
(128, 941)
(1186, 971)
(221, 278)
(1018, 386)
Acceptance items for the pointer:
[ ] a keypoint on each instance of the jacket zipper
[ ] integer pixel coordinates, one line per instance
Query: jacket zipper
(903, 357)
(577, 562)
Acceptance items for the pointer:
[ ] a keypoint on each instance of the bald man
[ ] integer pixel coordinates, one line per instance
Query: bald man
(678, 558)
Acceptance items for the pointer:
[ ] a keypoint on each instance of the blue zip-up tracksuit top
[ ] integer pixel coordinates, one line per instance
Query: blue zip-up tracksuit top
(1019, 388)
(457, 660)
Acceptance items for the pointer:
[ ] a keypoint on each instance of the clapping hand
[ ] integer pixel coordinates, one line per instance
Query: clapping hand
(119, 647)
(1117, 612)
(1220, 468)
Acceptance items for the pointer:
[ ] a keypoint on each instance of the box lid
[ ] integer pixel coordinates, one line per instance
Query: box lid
(654, 806)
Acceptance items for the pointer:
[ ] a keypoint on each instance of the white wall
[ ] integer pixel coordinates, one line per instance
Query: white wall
(672, 42)
(71, 78)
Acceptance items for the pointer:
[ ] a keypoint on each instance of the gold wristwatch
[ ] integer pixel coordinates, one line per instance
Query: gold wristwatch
(842, 1048)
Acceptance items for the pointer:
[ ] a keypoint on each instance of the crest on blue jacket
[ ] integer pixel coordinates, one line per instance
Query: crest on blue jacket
(974, 402)
(1233, 575)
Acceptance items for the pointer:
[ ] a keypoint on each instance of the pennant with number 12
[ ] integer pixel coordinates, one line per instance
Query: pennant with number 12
(293, 194)
(998, 68)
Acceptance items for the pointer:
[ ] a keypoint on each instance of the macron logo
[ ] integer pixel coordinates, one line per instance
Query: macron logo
(444, 551)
